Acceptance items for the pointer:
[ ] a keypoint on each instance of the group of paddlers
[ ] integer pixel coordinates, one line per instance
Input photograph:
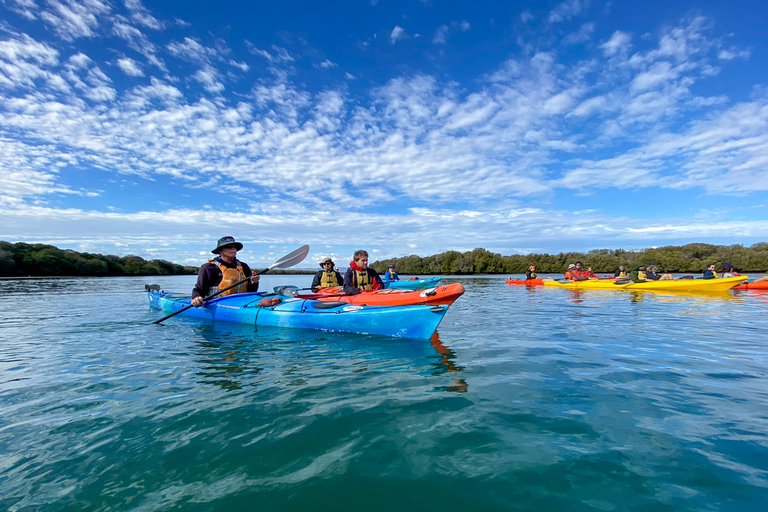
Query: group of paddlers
(639, 273)
(225, 270)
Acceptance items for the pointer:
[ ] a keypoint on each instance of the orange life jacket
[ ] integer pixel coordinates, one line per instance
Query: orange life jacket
(230, 276)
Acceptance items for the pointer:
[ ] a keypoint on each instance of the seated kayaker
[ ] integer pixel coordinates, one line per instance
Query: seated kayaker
(638, 273)
(359, 277)
(223, 271)
(578, 273)
(390, 275)
(328, 277)
(709, 273)
(590, 274)
(531, 274)
(652, 275)
(728, 271)
(621, 272)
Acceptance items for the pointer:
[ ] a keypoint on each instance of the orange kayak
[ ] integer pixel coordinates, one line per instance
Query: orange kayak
(443, 295)
(754, 285)
(527, 282)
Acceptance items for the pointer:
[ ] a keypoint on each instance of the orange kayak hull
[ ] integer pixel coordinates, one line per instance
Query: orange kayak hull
(442, 295)
(526, 282)
(754, 285)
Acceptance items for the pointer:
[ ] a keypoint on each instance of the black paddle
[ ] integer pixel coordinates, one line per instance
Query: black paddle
(286, 261)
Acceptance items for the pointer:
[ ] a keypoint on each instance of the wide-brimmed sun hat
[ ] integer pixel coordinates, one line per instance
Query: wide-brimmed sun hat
(571, 265)
(325, 260)
(225, 241)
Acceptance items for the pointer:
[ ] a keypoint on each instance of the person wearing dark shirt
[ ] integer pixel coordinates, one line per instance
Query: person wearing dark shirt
(709, 273)
(531, 274)
(621, 272)
(223, 271)
(652, 275)
(328, 277)
(359, 277)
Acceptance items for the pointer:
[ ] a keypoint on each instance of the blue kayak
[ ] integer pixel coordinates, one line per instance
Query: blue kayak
(413, 284)
(397, 321)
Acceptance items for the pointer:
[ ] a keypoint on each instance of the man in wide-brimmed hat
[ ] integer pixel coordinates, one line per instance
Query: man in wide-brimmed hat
(224, 271)
(327, 277)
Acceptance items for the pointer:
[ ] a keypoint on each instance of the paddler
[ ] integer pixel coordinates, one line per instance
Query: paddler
(578, 273)
(728, 271)
(710, 272)
(359, 277)
(328, 277)
(223, 271)
(652, 275)
(390, 275)
(531, 274)
(638, 273)
(621, 272)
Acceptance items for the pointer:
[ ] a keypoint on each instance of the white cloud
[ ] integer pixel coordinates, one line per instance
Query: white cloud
(441, 35)
(734, 53)
(70, 19)
(397, 34)
(582, 35)
(130, 67)
(141, 15)
(565, 11)
(619, 42)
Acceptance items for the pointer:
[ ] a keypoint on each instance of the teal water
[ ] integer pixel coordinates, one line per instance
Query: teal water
(528, 399)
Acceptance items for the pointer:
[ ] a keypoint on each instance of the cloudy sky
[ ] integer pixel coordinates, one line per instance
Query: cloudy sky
(401, 127)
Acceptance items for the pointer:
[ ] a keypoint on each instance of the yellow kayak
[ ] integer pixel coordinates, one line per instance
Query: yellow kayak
(687, 285)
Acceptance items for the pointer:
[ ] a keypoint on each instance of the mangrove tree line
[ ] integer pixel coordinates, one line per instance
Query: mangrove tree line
(22, 259)
(686, 258)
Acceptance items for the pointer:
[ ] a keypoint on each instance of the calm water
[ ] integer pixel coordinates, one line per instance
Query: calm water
(529, 399)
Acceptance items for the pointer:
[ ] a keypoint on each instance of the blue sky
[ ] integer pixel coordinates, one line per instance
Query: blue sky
(411, 127)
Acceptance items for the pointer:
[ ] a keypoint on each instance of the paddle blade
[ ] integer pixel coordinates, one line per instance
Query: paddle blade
(289, 260)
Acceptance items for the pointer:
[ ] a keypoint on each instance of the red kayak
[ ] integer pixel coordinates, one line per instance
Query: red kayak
(443, 295)
(752, 285)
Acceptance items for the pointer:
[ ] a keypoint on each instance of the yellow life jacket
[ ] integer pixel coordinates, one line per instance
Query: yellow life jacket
(641, 275)
(230, 276)
(363, 280)
(622, 274)
(329, 279)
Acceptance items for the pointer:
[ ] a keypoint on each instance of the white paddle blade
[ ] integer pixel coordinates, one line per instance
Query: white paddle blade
(291, 259)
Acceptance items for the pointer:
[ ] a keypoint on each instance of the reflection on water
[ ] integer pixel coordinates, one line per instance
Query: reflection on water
(233, 356)
(447, 364)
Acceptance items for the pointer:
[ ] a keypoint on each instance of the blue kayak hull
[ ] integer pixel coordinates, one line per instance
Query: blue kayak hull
(414, 284)
(395, 321)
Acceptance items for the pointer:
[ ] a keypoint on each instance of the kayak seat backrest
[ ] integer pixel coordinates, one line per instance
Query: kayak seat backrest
(151, 287)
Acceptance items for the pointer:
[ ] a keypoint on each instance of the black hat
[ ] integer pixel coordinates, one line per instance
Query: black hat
(727, 265)
(225, 241)
(391, 266)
